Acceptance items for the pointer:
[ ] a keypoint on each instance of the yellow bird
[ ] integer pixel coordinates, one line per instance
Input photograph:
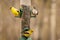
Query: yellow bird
(28, 33)
(14, 11)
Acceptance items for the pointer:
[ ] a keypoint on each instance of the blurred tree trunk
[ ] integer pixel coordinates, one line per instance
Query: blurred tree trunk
(53, 19)
(46, 20)
(58, 19)
(42, 21)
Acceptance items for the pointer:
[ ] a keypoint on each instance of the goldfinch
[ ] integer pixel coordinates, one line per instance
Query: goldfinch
(27, 32)
(14, 11)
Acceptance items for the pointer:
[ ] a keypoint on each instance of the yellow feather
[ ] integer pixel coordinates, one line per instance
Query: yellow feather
(14, 11)
(30, 32)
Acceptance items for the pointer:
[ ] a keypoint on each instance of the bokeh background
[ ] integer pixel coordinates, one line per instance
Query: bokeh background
(46, 25)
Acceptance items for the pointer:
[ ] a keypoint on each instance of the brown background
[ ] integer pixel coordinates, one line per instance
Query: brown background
(10, 26)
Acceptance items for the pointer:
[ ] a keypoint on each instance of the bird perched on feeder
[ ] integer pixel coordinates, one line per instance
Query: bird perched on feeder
(26, 34)
(15, 12)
